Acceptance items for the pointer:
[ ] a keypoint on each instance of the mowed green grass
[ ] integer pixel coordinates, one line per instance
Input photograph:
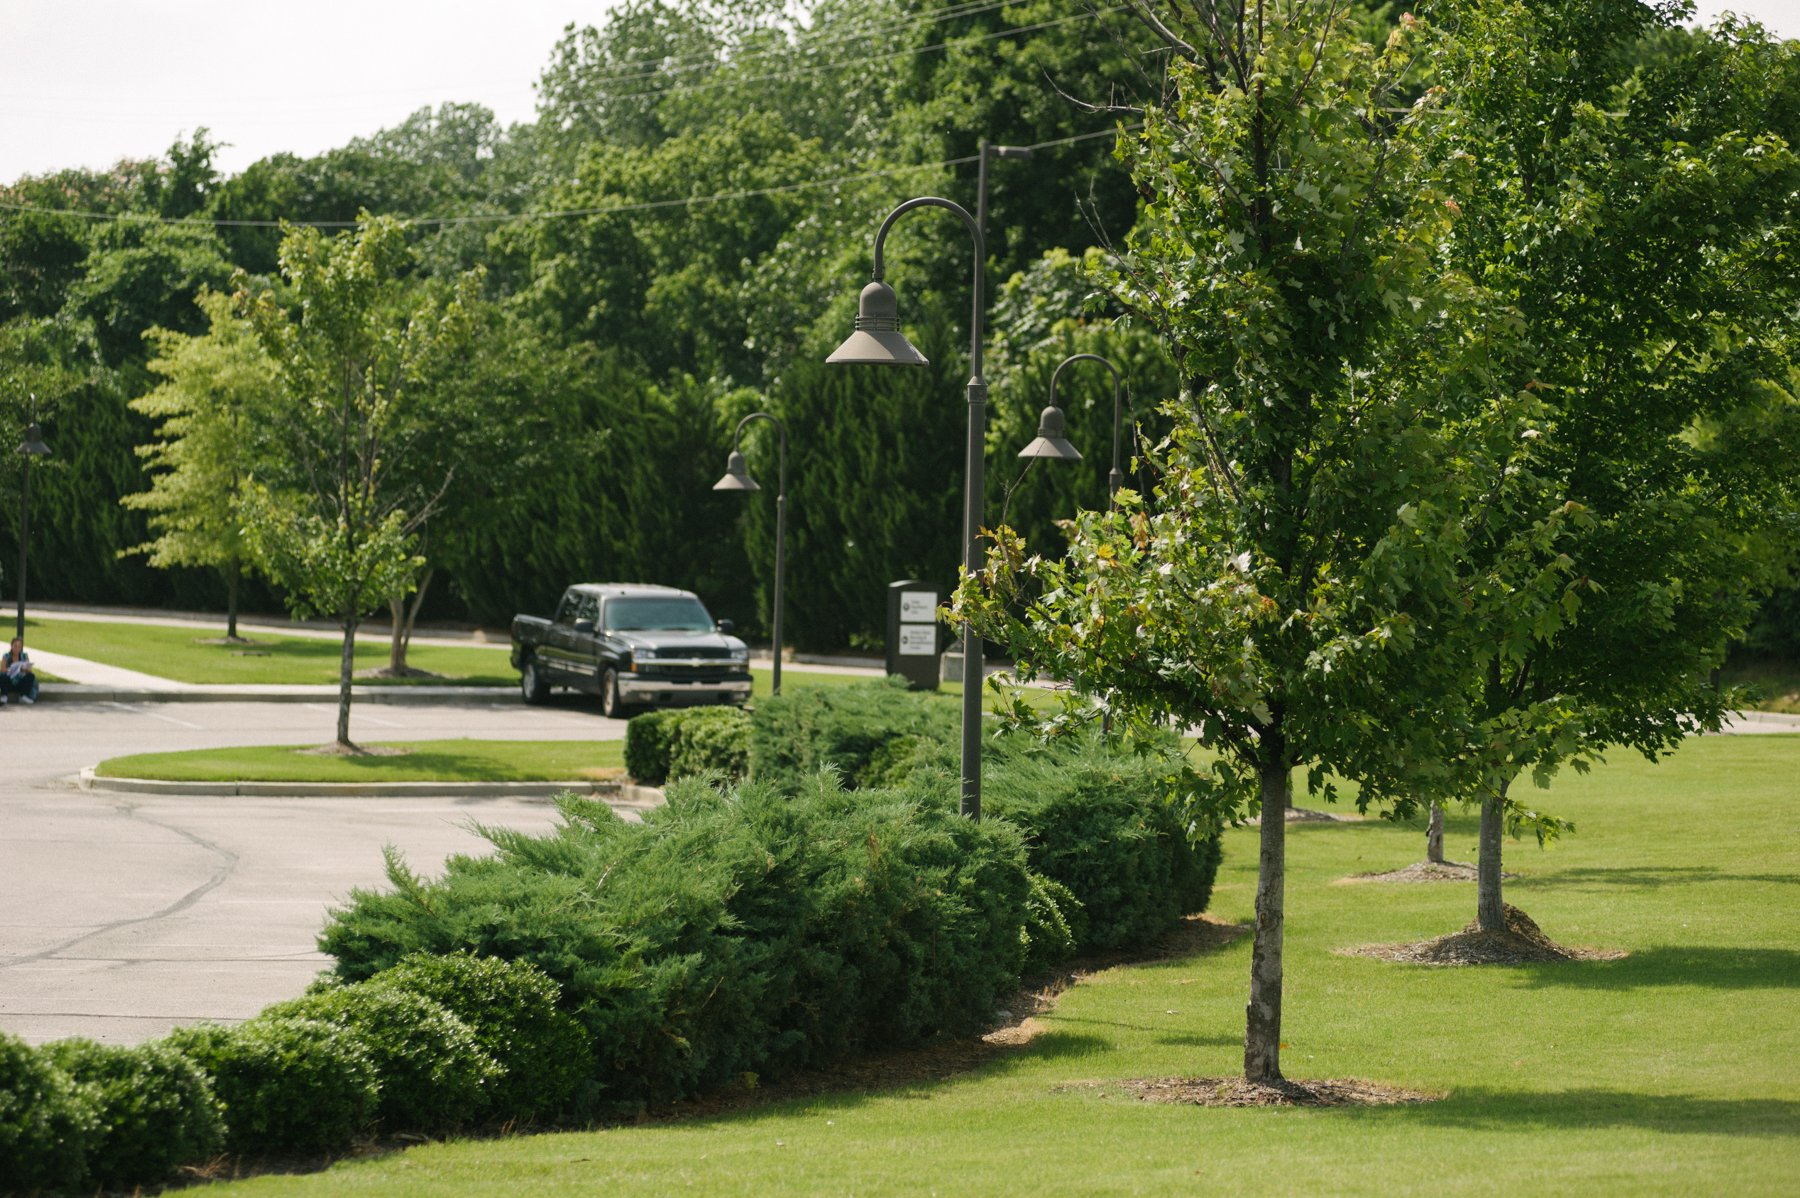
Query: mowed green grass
(178, 653)
(1671, 1071)
(417, 761)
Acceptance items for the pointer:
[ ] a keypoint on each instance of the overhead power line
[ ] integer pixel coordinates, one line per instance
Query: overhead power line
(496, 218)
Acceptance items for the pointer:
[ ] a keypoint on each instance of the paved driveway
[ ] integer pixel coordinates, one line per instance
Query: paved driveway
(122, 916)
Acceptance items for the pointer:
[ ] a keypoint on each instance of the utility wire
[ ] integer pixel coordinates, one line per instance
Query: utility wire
(495, 218)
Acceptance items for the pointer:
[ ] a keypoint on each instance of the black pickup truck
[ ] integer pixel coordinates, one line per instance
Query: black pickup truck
(632, 645)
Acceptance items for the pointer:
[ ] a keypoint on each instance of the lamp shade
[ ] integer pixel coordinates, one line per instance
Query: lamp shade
(877, 340)
(1050, 442)
(33, 445)
(737, 475)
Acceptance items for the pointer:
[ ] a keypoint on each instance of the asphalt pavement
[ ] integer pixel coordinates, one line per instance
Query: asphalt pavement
(124, 915)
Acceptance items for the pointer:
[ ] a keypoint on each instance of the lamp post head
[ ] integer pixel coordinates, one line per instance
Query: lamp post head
(877, 340)
(1050, 442)
(33, 445)
(737, 475)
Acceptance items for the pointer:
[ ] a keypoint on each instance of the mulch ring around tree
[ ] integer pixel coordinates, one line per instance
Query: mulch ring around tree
(1237, 1092)
(1421, 871)
(1522, 943)
(1309, 815)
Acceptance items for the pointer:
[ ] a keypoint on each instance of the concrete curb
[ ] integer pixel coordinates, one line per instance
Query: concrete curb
(394, 695)
(618, 794)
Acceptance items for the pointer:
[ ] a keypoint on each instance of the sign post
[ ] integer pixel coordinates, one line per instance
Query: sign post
(913, 632)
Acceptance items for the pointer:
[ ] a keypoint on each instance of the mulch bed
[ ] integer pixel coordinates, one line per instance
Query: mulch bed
(1421, 871)
(1522, 943)
(1308, 815)
(1237, 1092)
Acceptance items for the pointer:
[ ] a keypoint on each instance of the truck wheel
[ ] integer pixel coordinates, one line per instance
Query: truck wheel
(611, 706)
(532, 687)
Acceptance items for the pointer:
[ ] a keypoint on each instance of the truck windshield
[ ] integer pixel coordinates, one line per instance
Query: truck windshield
(643, 615)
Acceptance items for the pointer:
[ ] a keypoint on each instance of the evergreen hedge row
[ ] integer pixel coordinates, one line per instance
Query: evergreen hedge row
(677, 742)
(731, 932)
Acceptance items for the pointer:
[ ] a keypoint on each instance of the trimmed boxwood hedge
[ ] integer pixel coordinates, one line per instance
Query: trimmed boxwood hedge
(47, 1122)
(512, 1009)
(154, 1108)
(660, 745)
(434, 1074)
(287, 1085)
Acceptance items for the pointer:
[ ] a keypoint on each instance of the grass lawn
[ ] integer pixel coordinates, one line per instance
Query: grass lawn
(179, 654)
(1671, 1071)
(422, 761)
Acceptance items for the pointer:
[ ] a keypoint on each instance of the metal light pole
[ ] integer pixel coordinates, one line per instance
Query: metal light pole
(31, 447)
(879, 341)
(737, 478)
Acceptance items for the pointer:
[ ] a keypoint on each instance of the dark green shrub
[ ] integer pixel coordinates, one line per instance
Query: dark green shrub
(511, 1007)
(660, 745)
(155, 1109)
(1097, 820)
(47, 1122)
(434, 1074)
(710, 738)
(299, 1085)
(647, 739)
(857, 730)
(731, 932)
(1048, 934)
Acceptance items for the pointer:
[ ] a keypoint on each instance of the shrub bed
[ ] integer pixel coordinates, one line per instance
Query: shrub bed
(47, 1122)
(1096, 819)
(660, 745)
(154, 1110)
(731, 933)
(287, 1085)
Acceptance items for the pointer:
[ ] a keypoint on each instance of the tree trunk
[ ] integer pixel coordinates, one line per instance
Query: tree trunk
(405, 616)
(234, 572)
(1490, 912)
(1434, 835)
(346, 671)
(1262, 1016)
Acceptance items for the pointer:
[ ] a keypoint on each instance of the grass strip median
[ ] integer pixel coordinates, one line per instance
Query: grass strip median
(394, 761)
(199, 656)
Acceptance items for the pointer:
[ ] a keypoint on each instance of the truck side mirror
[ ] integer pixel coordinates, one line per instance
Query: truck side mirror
(584, 626)
(726, 626)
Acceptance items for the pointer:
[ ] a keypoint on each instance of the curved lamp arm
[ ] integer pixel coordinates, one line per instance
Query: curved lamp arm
(1115, 478)
(737, 443)
(975, 329)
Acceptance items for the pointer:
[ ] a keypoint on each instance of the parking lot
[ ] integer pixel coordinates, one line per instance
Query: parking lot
(124, 915)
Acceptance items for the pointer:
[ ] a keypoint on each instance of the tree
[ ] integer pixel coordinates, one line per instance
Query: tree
(1632, 204)
(1285, 585)
(212, 409)
(361, 367)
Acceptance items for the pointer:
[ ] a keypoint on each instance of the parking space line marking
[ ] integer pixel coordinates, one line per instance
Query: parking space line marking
(359, 715)
(140, 709)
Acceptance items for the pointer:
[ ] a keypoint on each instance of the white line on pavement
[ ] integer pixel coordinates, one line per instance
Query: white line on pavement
(140, 709)
(361, 715)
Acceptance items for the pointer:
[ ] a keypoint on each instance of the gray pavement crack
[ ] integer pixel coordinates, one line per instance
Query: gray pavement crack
(131, 810)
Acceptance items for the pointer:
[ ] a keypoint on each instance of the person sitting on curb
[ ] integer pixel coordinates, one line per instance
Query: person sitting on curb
(16, 674)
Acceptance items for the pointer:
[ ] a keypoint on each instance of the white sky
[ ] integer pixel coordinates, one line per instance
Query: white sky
(87, 82)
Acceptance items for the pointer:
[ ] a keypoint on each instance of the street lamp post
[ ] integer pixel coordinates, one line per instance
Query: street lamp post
(737, 478)
(878, 341)
(1050, 427)
(31, 447)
